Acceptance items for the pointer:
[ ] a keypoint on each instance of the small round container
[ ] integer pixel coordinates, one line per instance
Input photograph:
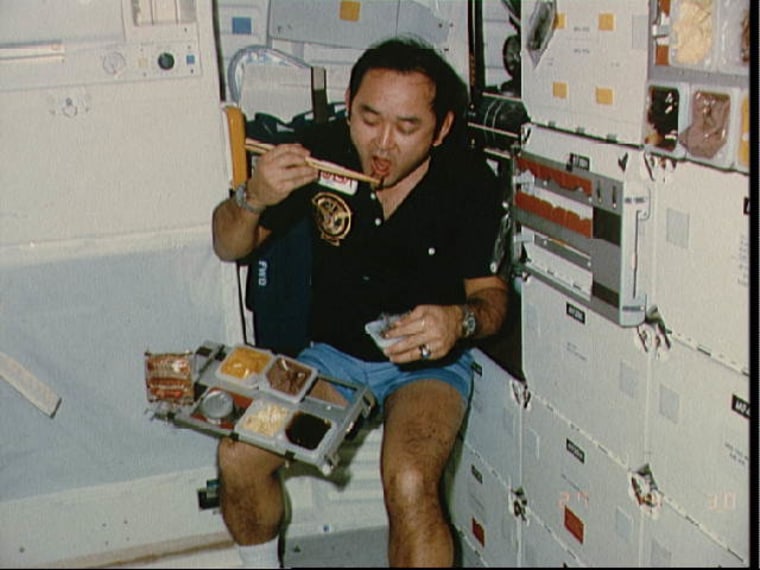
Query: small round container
(216, 405)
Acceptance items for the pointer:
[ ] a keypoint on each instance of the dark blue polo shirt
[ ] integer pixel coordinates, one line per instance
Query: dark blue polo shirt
(443, 232)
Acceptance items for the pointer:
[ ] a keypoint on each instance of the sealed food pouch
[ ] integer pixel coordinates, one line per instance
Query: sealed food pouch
(169, 377)
(710, 115)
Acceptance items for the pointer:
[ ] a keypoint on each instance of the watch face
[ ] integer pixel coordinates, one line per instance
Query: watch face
(469, 324)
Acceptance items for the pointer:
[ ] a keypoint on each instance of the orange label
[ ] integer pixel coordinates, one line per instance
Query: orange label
(607, 22)
(350, 10)
(574, 524)
(478, 532)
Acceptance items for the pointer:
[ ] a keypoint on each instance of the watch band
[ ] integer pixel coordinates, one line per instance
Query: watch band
(241, 199)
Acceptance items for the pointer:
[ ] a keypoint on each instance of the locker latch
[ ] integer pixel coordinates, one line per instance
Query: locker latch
(644, 490)
(519, 504)
(653, 333)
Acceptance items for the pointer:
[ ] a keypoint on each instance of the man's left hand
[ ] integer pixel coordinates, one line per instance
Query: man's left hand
(429, 332)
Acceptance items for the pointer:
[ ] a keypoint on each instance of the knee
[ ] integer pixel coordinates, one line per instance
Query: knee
(409, 486)
(239, 461)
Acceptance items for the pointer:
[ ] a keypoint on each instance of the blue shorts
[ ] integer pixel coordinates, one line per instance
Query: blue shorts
(384, 377)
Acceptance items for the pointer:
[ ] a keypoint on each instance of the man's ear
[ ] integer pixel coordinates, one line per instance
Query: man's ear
(448, 120)
(347, 101)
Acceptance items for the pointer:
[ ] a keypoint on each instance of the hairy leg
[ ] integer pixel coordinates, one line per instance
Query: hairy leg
(251, 493)
(421, 424)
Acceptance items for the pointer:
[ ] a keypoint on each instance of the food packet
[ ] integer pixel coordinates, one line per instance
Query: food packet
(169, 377)
(377, 328)
(707, 133)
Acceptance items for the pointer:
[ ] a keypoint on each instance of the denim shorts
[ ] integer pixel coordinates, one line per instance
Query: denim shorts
(384, 377)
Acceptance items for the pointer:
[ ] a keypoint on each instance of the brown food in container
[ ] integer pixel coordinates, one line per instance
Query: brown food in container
(288, 376)
(306, 430)
(707, 133)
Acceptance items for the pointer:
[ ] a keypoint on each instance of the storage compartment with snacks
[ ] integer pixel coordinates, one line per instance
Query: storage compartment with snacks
(666, 116)
(704, 35)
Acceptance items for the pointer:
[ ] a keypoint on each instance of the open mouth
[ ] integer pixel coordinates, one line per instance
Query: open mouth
(381, 167)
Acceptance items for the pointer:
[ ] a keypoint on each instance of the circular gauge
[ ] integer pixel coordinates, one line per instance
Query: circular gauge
(216, 404)
(114, 63)
(165, 61)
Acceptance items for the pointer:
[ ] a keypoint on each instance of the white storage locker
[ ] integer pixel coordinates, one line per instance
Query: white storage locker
(353, 24)
(128, 110)
(700, 442)
(590, 77)
(580, 492)
(702, 246)
(480, 508)
(493, 426)
(540, 547)
(671, 540)
(468, 557)
(239, 25)
(588, 369)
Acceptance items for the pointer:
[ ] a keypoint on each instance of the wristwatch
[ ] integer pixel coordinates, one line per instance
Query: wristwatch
(469, 322)
(241, 199)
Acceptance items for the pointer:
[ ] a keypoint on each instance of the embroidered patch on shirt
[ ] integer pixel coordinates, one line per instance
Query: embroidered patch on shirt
(333, 217)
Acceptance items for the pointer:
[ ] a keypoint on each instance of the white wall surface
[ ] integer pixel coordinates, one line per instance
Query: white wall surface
(110, 169)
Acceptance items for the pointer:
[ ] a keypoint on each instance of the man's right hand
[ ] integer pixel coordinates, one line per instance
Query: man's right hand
(278, 172)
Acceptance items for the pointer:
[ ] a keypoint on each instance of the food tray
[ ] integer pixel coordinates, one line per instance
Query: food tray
(296, 423)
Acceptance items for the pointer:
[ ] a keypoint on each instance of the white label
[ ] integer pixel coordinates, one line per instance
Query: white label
(338, 183)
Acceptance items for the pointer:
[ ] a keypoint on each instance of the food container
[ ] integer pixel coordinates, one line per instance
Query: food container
(244, 365)
(288, 378)
(710, 135)
(666, 115)
(693, 34)
(216, 411)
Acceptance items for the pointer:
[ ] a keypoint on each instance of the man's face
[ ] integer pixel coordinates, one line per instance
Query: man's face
(392, 123)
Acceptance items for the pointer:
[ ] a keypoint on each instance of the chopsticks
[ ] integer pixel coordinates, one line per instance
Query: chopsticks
(261, 147)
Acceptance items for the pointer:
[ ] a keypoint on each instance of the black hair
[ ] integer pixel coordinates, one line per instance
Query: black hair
(407, 54)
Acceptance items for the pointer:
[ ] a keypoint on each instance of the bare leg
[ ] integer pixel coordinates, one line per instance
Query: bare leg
(422, 420)
(251, 494)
